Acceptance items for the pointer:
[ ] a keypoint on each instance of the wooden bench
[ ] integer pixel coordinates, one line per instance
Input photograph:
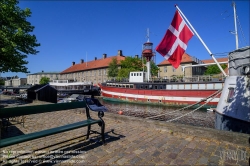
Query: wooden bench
(22, 138)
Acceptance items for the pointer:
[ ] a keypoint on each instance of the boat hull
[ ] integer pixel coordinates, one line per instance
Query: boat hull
(163, 97)
(223, 122)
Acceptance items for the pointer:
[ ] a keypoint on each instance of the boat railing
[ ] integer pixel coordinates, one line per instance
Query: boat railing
(194, 78)
(204, 78)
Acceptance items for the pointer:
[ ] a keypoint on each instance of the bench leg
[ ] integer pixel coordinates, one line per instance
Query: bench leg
(102, 132)
(88, 132)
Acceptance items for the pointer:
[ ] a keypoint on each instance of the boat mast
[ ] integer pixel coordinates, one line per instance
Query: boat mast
(235, 26)
(147, 53)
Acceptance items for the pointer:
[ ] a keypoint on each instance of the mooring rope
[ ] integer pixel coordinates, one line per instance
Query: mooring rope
(215, 93)
(194, 109)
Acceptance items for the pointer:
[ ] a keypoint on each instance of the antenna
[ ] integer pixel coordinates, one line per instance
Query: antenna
(147, 34)
(235, 25)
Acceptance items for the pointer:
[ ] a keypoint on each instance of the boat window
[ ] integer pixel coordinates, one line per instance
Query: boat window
(141, 86)
(161, 86)
(140, 74)
(150, 86)
(175, 86)
(146, 87)
(202, 86)
(230, 94)
(181, 86)
(156, 87)
(210, 86)
(188, 86)
(131, 86)
(131, 74)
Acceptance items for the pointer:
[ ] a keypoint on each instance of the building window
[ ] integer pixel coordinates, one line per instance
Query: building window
(99, 72)
(173, 69)
(165, 69)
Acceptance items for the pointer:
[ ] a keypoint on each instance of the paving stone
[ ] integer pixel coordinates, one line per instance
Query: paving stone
(167, 160)
(138, 151)
(191, 145)
(172, 155)
(190, 161)
(203, 161)
(156, 153)
(121, 161)
(135, 160)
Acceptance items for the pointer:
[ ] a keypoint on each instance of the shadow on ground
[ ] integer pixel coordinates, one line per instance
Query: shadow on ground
(63, 151)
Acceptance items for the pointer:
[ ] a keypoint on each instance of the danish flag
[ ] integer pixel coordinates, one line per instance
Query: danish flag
(174, 43)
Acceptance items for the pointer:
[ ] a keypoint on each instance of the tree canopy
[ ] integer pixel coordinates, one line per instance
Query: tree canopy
(2, 82)
(44, 80)
(130, 64)
(154, 69)
(113, 68)
(214, 69)
(16, 40)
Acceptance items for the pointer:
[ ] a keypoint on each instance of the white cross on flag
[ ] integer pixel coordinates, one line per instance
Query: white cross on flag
(174, 43)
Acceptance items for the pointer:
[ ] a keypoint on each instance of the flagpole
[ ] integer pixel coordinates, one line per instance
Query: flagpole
(202, 41)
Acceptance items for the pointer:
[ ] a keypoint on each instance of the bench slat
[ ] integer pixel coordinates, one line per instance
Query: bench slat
(36, 109)
(31, 136)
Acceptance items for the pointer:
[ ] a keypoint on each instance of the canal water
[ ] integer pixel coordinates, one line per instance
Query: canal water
(201, 117)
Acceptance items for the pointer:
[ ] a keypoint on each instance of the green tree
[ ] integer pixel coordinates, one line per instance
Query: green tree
(44, 80)
(154, 69)
(2, 82)
(16, 40)
(214, 69)
(113, 68)
(128, 65)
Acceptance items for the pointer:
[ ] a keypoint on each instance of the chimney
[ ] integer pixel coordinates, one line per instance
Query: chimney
(95, 58)
(82, 61)
(104, 56)
(119, 52)
(136, 56)
(73, 63)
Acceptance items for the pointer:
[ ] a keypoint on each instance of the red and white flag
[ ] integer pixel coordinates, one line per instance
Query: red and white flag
(174, 43)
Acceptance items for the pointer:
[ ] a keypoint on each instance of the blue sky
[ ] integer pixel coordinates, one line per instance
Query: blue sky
(72, 30)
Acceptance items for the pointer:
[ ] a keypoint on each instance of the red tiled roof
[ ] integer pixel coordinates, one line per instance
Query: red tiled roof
(185, 58)
(99, 63)
(218, 59)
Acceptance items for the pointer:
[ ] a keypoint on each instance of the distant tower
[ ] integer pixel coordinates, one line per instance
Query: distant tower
(148, 53)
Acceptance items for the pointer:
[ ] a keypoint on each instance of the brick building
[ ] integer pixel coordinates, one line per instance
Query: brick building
(35, 78)
(95, 71)
(167, 70)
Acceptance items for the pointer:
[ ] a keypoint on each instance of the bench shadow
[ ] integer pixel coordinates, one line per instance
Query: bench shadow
(73, 151)
(9, 128)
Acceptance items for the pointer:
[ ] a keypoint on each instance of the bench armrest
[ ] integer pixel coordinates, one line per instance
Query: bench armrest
(100, 114)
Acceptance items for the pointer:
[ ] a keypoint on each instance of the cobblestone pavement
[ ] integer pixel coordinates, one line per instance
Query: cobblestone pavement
(130, 141)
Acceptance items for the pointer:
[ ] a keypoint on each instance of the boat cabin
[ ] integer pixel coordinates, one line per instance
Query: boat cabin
(137, 76)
